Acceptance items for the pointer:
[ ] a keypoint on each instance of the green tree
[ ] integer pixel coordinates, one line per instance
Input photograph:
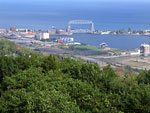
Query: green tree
(50, 63)
(29, 91)
(144, 77)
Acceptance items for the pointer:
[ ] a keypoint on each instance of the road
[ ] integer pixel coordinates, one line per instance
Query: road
(100, 63)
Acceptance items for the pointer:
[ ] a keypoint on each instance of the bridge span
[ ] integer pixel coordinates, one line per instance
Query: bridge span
(77, 22)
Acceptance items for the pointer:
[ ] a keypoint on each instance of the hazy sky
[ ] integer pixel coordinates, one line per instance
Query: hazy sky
(74, 0)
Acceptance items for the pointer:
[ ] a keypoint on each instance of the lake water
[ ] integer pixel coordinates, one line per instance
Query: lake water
(122, 42)
(106, 14)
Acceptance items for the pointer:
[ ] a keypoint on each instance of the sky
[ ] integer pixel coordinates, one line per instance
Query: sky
(63, 2)
(74, 1)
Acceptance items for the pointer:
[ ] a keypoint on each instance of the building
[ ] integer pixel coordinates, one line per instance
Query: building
(45, 36)
(103, 45)
(61, 32)
(136, 53)
(22, 30)
(29, 35)
(145, 49)
(105, 32)
(13, 29)
(3, 30)
(60, 41)
(146, 33)
(52, 32)
(42, 36)
(67, 39)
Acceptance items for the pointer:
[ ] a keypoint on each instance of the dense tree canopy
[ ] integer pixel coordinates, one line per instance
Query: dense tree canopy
(53, 85)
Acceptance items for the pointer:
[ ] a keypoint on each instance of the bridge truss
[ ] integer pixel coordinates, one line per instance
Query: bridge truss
(80, 22)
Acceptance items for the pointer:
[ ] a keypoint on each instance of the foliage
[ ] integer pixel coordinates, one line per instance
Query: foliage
(55, 85)
(8, 48)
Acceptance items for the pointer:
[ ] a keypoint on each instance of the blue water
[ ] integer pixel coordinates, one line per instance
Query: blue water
(122, 42)
(42, 14)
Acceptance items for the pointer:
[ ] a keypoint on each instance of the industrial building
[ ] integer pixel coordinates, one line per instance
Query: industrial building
(42, 36)
(145, 49)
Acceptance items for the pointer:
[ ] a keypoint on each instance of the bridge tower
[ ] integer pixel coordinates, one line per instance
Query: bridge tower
(92, 27)
(69, 28)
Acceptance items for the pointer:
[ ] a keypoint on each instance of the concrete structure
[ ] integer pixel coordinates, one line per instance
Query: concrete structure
(42, 36)
(145, 49)
(81, 30)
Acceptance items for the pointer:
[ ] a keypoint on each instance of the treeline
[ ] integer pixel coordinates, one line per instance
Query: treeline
(8, 48)
(56, 85)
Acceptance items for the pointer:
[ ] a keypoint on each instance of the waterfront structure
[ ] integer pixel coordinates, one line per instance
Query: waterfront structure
(68, 39)
(60, 41)
(146, 33)
(61, 32)
(103, 45)
(22, 30)
(137, 52)
(52, 32)
(42, 36)
(105, 32)
(145, 49)
(80, 30)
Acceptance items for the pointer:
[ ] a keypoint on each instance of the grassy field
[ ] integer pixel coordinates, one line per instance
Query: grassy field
(81, 47)
(86, 47)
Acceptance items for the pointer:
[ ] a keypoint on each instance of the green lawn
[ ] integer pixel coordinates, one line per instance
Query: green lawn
(86, 47)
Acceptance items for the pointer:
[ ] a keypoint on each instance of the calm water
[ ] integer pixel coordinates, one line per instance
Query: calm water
(42, 14)
(122, 42)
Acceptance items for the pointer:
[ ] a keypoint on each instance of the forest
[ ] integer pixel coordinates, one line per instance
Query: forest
(54, 84)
